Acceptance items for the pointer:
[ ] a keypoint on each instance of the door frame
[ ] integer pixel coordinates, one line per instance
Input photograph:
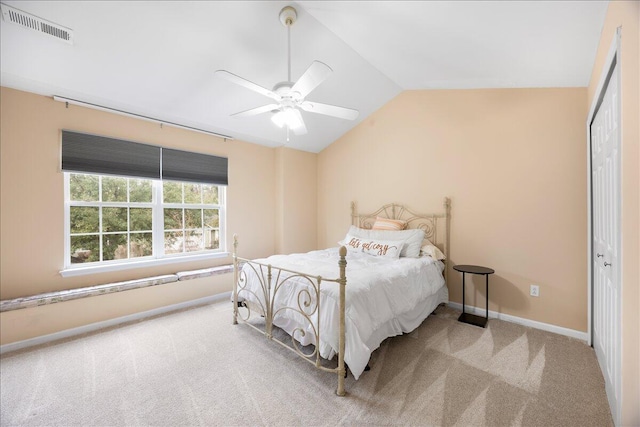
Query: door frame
(613, 58)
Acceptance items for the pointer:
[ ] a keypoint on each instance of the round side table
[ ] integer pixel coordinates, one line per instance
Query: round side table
(468, 317)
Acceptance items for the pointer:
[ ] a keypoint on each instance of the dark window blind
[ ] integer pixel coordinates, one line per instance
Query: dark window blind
(193, 167)
(98, 154)
(102, 155)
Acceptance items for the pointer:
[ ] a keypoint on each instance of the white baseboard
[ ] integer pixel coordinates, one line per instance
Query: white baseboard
(583, 336)
(227, 295)
(111, 322)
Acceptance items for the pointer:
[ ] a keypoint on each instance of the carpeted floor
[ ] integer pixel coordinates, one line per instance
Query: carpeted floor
(194, 368)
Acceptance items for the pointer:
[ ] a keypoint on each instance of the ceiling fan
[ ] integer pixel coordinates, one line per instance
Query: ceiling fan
(290, 97)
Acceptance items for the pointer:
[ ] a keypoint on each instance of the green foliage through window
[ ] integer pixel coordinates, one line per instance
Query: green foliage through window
(112, 218)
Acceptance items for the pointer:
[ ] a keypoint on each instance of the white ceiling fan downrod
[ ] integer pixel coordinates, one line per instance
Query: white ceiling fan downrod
(288, 16)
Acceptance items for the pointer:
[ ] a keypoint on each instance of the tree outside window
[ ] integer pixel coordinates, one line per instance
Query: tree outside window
(111, 219)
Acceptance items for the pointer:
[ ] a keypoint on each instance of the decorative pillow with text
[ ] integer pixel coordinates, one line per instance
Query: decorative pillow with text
(383, 248)
(412, 239)
(352, 243)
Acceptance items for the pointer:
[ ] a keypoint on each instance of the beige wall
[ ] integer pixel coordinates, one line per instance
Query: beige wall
(31, 220)
(296, 213)
(626, 14)
(513, 162)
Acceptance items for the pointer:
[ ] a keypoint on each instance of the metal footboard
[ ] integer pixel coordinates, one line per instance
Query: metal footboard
(307, 305)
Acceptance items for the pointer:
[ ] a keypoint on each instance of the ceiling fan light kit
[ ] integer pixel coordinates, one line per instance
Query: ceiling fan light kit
(289, 96)
(291, 118)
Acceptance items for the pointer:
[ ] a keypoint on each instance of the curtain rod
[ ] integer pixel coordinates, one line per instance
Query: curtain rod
(137, 116)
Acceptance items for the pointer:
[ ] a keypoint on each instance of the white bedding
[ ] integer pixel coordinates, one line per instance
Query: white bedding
(384, 297)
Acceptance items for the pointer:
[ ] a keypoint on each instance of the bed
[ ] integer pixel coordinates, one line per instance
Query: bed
(344, 301)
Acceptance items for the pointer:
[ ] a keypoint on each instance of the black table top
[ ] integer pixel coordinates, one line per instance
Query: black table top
(474, 269)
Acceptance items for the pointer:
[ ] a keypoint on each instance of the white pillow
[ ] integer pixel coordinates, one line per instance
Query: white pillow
(412, 238)
(353, 232)
(431, 250)
(382, 248)
(353, 244)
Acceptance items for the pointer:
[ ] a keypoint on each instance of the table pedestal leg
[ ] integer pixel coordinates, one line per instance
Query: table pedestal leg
(472, 319)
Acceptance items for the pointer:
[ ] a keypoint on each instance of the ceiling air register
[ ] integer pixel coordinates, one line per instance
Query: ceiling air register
(32, 22)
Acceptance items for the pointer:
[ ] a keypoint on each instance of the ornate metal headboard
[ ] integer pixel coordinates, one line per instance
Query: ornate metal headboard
(436, 226)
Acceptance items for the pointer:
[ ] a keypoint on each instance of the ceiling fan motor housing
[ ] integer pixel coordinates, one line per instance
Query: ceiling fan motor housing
(284, 90)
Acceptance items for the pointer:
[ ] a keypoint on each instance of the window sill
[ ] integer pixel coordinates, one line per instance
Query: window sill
(82, 271)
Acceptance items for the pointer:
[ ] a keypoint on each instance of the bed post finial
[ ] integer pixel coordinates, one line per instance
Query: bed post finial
(235, 279)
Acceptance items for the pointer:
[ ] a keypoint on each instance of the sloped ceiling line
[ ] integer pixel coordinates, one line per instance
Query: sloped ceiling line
(160, 62)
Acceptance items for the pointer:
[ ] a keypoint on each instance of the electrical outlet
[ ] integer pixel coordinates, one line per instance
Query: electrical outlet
(534, 290)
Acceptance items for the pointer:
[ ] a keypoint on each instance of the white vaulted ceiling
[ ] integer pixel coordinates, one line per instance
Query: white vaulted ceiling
(157, 58)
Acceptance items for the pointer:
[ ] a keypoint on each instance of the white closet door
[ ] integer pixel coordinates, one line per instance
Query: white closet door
(605, 169)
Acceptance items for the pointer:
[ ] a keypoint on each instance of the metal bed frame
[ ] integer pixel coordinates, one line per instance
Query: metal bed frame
(272, 279)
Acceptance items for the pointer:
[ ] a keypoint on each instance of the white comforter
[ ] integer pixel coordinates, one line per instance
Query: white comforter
(378, 290)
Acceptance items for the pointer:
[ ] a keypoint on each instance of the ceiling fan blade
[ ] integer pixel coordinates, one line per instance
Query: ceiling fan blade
(255, 111)
(311, 79)
(246, 83)
(330, 110)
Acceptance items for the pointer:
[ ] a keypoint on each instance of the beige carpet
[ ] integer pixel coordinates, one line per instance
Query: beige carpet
(194, 368)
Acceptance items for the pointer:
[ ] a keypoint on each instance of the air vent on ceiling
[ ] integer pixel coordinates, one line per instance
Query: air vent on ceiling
(11, 14)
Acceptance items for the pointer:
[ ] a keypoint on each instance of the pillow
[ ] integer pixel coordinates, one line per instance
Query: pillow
(388, 224)
(352, 243)
(431, 250)
(382, 248)
(412, 238)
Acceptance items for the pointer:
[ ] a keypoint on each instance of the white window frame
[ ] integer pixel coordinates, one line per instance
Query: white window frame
(158, 257)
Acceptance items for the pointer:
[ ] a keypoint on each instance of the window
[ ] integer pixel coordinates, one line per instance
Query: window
(127, 202)
(113, 219)
(191, 217)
